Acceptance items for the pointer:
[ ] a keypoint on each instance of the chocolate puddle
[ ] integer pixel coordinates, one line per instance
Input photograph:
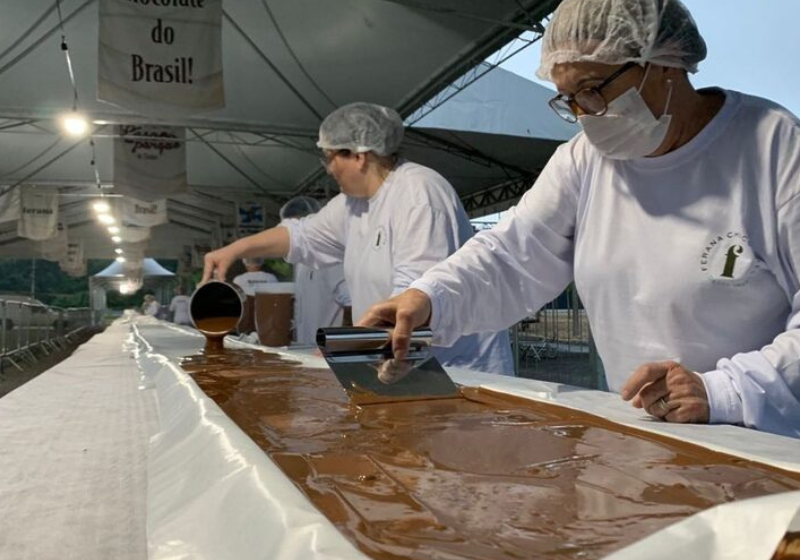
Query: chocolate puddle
(488, 476)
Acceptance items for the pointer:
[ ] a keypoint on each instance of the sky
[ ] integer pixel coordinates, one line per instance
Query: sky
(753, 47)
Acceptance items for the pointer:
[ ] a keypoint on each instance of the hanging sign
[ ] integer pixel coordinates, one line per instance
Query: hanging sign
(140, 213)
(55, 248)
(161, 57)
(249, 218)
(149, 161)
(38, 213)
(9, 205)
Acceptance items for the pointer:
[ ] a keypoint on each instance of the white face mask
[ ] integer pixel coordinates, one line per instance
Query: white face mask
(628, 130)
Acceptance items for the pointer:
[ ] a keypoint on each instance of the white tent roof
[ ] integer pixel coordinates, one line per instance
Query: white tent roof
(287, 63)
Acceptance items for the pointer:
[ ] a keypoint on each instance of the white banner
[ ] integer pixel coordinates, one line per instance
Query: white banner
(73, 262)
(199, 250)
(149, 161)
(55, 248)
(134, 251)
(139, 213)
(38, 213)
(134, 234)
(9, 205)
(161, 57)
(249, 218)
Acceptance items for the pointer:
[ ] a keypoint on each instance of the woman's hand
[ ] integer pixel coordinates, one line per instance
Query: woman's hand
(216, 263)
(405, 311)
(668, 390)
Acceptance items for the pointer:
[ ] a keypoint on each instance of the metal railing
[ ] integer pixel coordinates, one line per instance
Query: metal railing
(555, 344)
(29, 330)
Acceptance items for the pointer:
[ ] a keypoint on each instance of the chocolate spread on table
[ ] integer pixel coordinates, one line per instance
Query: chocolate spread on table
(486, 476)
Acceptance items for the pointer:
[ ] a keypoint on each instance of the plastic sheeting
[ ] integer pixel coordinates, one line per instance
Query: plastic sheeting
(73, 452)
(212, 493)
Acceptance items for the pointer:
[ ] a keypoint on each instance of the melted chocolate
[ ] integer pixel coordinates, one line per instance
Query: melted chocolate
(485, 476)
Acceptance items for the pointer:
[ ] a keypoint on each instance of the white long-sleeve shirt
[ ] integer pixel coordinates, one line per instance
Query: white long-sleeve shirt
(320, 297)
(692, 256)
(413, 222)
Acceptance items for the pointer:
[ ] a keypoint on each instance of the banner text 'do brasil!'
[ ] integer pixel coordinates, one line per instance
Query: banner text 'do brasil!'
(161, 57)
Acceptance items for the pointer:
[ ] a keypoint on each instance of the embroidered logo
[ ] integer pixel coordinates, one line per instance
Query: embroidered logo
(728, 259)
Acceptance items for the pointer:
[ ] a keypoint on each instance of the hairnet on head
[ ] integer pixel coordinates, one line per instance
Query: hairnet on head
(299, 207)
(362, 127)
(252, 261)
(618, 31)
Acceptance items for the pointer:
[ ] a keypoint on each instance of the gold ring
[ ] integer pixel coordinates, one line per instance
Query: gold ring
(663, 405)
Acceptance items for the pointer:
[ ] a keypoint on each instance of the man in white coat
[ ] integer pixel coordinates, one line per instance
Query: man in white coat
(393, 221)
(321, 298)
(253, 279)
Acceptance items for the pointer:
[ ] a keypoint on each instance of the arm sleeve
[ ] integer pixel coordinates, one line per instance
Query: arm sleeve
(761, 389)
(318, 240)
(337, 285)
(502, 275)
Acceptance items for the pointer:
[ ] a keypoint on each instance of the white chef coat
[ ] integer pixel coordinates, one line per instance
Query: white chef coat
(414, 221)
(692, 256)
(180, 310)
(320, 297)
(253, 282)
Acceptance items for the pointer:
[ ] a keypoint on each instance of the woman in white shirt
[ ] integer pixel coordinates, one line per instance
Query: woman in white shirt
(392, 222)
(676, 212)
(321, 298)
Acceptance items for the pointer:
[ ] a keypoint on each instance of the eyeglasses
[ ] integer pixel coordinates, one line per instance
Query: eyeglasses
(589, 101)
(329, 155)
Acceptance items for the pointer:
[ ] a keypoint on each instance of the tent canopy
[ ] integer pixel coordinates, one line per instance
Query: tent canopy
(286, 65)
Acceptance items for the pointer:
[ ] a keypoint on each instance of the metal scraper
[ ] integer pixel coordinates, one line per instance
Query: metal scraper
(363, 362)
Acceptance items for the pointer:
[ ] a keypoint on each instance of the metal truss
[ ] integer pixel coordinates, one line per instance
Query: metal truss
(498, 197)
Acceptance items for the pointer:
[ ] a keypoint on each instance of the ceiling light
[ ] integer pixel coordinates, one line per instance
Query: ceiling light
(101, 207)
(106, 219)
(113, 230)
(74, 124)
(116, 239)
(121, 259)
(118, 251)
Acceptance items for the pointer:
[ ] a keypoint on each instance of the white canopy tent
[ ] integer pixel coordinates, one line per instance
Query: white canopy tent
(286, 64)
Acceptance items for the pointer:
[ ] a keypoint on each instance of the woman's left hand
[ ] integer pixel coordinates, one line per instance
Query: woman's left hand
(668, 390)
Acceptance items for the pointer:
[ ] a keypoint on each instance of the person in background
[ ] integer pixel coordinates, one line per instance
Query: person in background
(150, 306)
(179, 307)
(392, 221)
(677, 213)
(321, 298)
(254, 278)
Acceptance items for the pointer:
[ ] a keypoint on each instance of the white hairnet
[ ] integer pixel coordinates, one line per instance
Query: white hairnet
(362, 127)
(252, 261)
(299, 207)
(618, 31)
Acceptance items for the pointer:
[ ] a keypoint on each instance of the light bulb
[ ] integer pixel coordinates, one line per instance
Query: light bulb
(120, 259)
(116, 239)
(113, 230)
(74, 124)
(118, 251)
(106, 219)
(101, 207)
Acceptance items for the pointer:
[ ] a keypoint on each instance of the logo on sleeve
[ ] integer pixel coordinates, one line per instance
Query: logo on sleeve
(729, 259)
